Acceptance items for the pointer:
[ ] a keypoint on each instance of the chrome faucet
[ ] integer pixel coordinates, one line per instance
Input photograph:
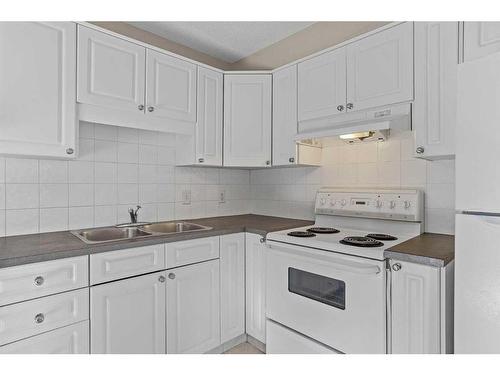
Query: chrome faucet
(133, 214)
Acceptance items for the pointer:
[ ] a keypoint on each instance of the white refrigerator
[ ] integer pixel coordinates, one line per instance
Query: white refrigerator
(477, 230)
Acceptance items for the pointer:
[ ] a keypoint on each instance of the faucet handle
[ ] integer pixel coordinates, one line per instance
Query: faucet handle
(137, 209)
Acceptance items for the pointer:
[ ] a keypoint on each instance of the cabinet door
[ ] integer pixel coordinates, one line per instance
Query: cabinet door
(111, 71)
(232, 286)
(380, 68)
(209, 124)
(193, 306)
(128, 316)
(171, 87)
(247, 120)
(73, 339)
(481, 39)
(322, 85)
(284, 116)
(415, 309)
(37, 90)
(435, 106)
(255, 271)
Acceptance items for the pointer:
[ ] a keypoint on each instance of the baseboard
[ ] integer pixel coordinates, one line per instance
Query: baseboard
(258, 344)
(229, 344)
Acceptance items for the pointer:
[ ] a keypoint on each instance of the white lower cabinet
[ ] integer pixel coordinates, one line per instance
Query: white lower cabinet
(421, 308)
(193, 308)
(128, 316)
(232, 286)
(255, 273)
(73, 339)
(481, 39)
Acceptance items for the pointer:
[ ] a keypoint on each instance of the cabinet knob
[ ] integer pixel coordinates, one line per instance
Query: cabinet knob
(291, 160)
(171, 276)
(268, 162)
(201, 160)
(69, 151)
(140, 107)
(39, 280)
(263, 240)
(151, 109)
(39, 318)
(350, 106)
(161, 279)
(396, 267)
(420, 150)
(340, 108)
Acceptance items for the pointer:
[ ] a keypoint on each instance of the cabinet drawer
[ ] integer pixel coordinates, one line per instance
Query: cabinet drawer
(29, 318)
(125, 263)
(192, 251)
(34, 280)
(73, 339)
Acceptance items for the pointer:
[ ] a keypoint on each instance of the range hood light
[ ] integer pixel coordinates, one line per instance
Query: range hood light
(360, 135)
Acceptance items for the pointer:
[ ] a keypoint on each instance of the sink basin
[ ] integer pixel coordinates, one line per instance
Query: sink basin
(109, 234)
(172, 227)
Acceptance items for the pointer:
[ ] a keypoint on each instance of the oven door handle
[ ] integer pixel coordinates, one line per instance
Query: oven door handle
(340, 264)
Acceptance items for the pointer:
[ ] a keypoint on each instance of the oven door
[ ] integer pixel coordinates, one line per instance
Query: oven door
(336, 299)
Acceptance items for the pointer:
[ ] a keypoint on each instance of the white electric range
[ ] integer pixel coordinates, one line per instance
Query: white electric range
(327, 285)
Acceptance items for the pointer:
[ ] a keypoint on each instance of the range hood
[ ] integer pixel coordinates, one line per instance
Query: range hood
(356, 127)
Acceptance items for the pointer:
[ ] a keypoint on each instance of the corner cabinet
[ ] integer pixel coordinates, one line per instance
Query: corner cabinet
(247, 120)
(193, 308)
(38, 106)
(128, 316)
(255, 272)
(435, 106)
(421, 308)
(481, 39)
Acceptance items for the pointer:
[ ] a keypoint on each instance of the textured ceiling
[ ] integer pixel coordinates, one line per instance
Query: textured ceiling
(227, 41)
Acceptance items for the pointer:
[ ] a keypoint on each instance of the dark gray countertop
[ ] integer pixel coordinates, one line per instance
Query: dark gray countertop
(31, 248)
(431, 249)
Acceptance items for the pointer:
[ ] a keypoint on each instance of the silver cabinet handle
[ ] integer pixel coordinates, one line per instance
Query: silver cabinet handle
(291, 160)
(39, 280)
(350, 106)
(340, 108)
(161, 279)
(268, 162)
(420, 150)
(69, 151)
(396, 267)
(39, 318)
(201, 160)
(171, 276)
(140, 107)
(151, 109)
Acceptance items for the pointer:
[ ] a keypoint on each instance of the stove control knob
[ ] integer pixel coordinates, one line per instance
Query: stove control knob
(378, 203)
(407, 204)
(392, 204)
(322, 201)
(343, 202)
(333, 203)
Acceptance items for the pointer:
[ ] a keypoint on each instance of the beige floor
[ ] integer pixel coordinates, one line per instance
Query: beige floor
(244, 348)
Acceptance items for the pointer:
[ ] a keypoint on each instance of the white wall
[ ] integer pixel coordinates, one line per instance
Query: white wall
(116, 168)
(290, 192)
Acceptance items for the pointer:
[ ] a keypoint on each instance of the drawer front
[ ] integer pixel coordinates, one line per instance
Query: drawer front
(192, 251)
(118, 264)
(73, 339)
(30, 318)
(34, 280)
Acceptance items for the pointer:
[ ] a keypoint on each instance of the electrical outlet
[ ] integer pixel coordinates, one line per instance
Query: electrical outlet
(222, 196)
(186, 196)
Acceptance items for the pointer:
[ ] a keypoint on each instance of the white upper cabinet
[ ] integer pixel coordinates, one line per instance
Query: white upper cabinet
(435, 106)
(209, 125)
(111, 71)
(193, 308)
(38, 89)
(380, 68)
(171, 87)
(128, 316)
(481, 39)
(322, 85)
(247, 120)
(284, 115)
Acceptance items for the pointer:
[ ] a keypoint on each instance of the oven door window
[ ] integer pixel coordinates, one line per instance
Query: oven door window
(317, 287)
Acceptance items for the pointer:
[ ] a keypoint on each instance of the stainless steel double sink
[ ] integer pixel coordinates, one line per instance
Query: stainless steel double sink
(121, 233)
